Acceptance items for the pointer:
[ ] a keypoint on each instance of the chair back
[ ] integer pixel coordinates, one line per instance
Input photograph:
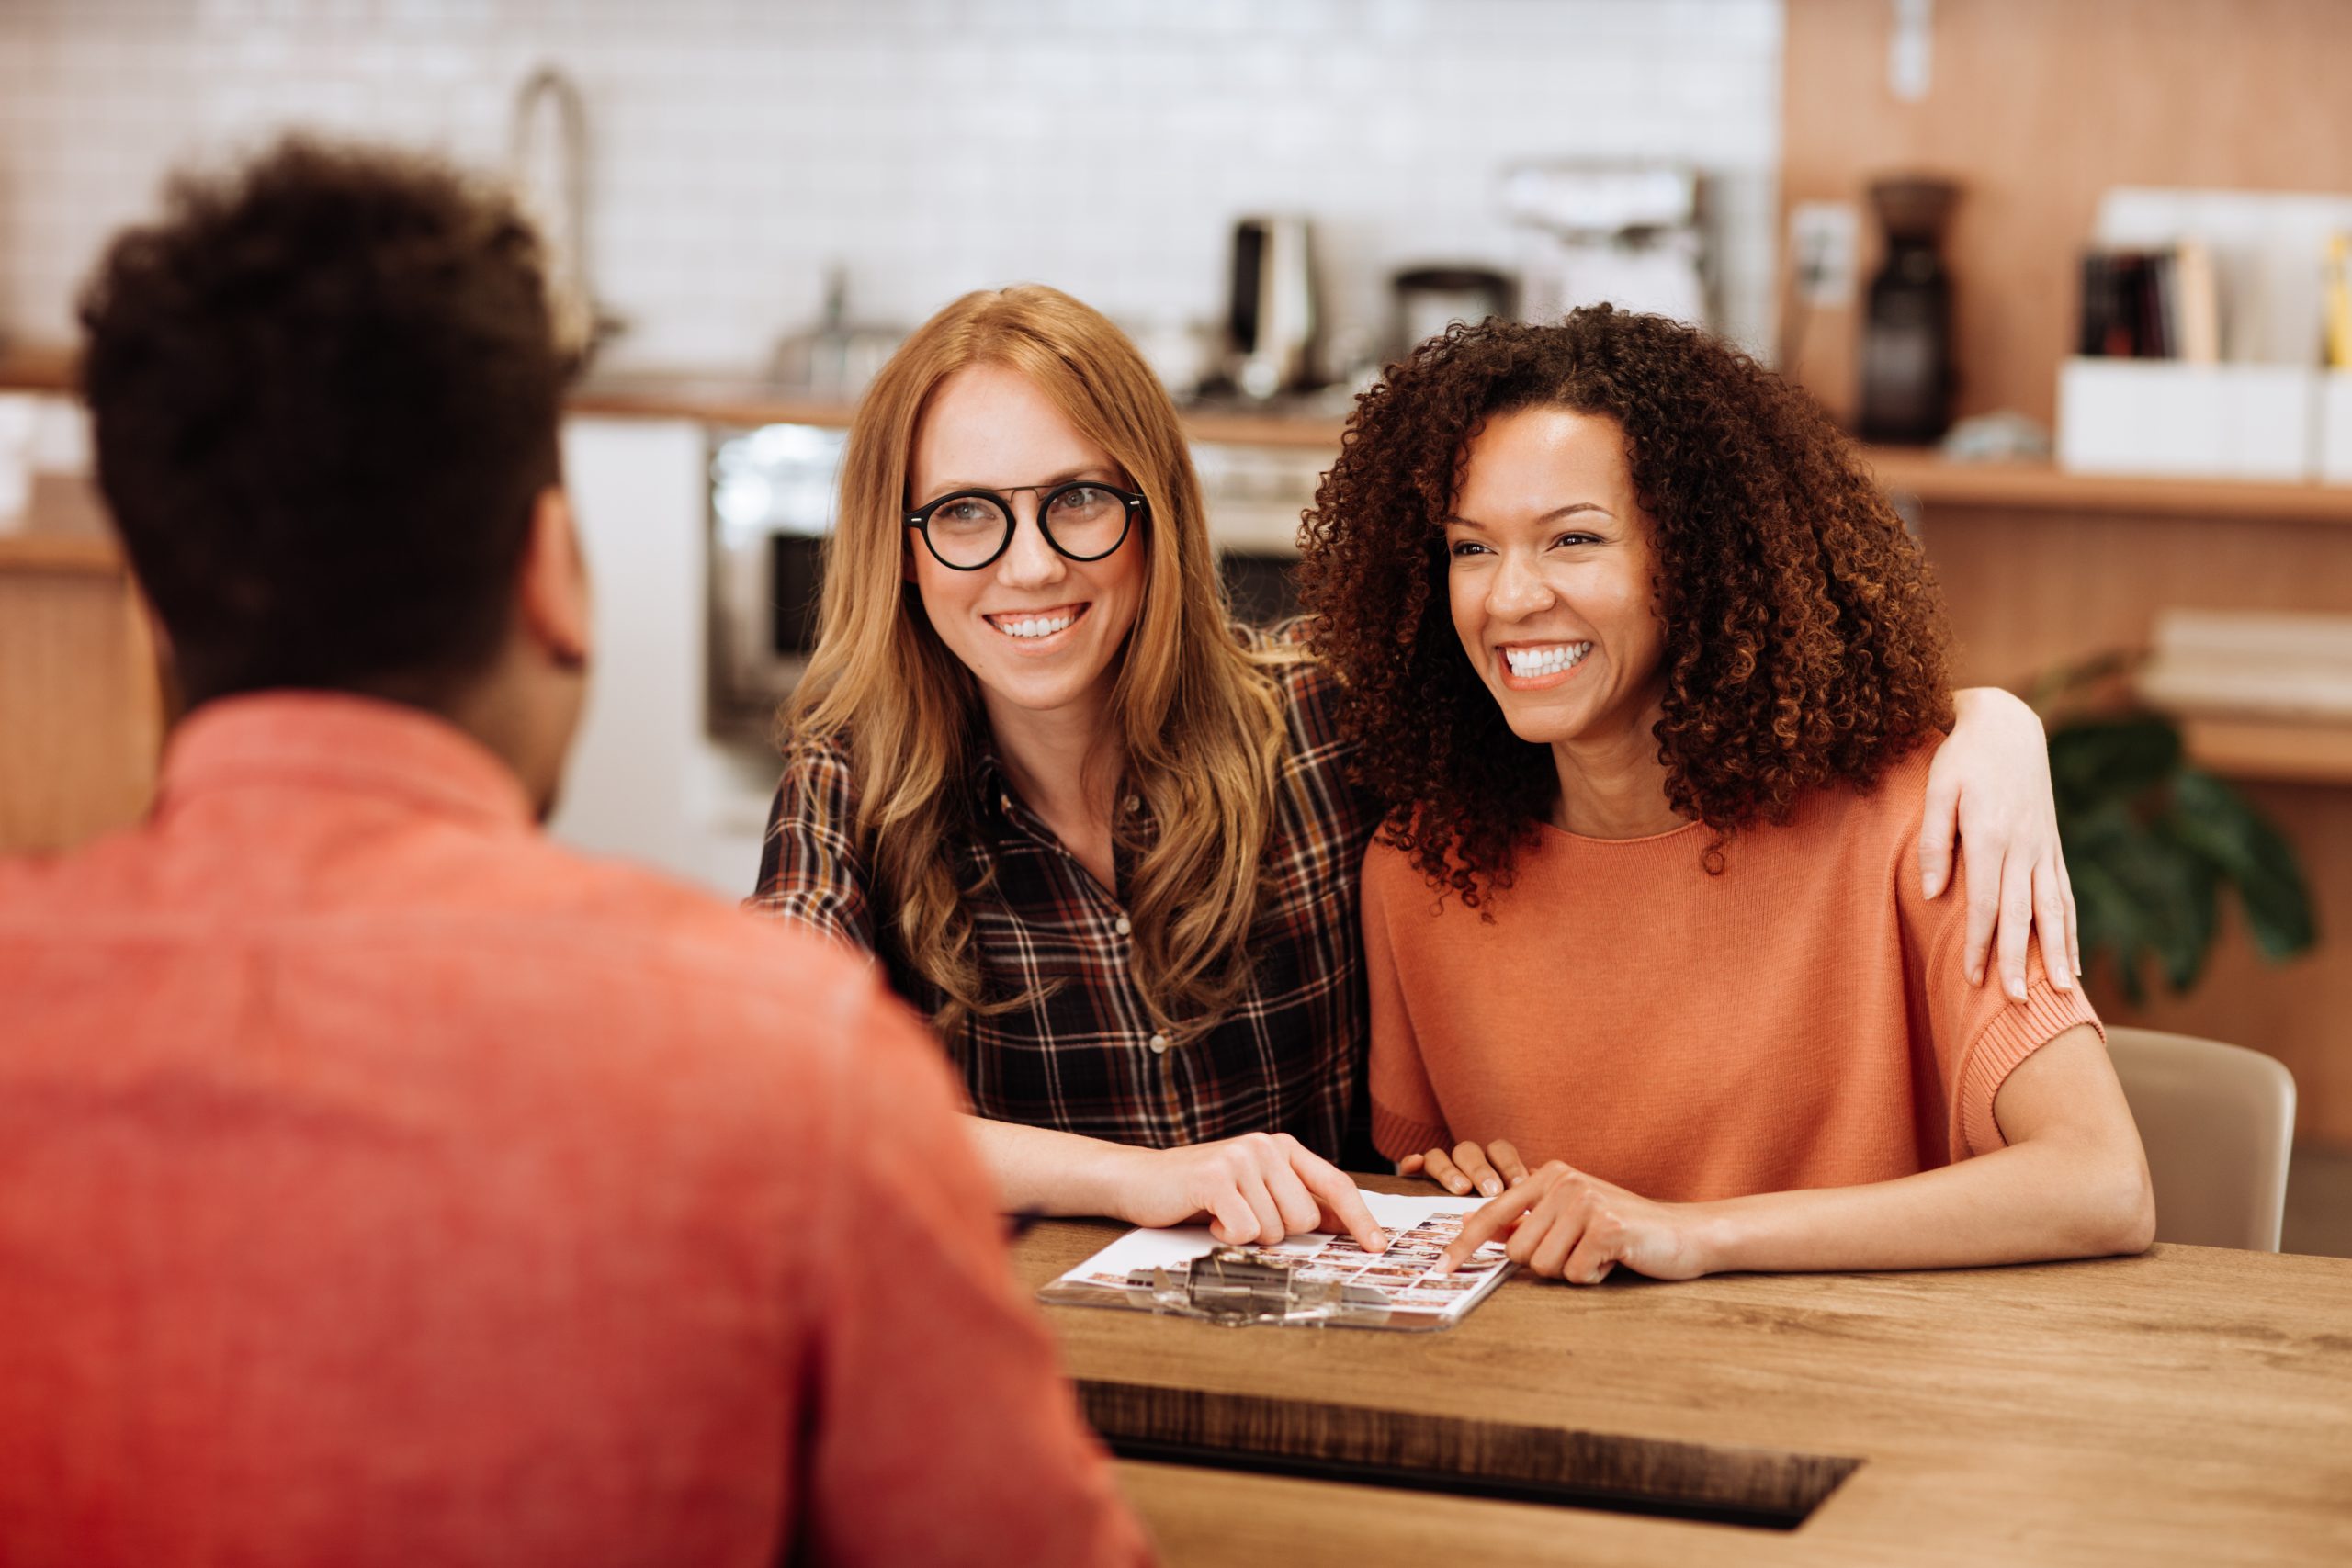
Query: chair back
(2218, 1122)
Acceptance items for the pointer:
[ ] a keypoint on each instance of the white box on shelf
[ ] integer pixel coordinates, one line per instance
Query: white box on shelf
(2335, 441)
(17, 414)
(2167, 419)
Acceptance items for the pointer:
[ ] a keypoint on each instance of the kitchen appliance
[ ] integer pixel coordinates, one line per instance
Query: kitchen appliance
(1273, 324)
(774, 494)
(1186, 355)
(1629, 234)
(1906, 325)
(1432, 299)
(1254, 496)
(836, 358)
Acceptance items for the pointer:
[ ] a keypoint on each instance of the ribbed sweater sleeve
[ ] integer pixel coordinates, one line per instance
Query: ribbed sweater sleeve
(1979, 1034)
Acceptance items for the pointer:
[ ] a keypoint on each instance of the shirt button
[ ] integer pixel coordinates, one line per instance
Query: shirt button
(1160, 1045)
(1122, 926)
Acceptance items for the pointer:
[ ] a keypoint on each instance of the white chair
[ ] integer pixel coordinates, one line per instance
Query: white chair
(2218, 1122)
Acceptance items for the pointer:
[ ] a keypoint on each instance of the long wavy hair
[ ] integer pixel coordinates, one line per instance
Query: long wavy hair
(1805, 642)
(1199, 718)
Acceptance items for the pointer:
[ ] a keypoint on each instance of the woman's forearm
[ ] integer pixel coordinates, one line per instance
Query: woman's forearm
(2072, 1182)
(1261, 1187)
(1044, 1171)
(2030, 1203)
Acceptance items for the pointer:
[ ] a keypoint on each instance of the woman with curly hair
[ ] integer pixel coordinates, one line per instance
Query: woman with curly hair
(1104, 839)
(1646, 673)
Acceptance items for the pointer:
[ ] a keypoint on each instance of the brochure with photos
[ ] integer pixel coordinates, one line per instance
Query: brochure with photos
(1309, 1280)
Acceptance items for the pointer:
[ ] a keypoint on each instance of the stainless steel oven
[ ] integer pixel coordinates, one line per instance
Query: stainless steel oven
(774, 494)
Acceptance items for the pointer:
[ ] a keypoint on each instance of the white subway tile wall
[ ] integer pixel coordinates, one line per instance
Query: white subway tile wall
(741, 147)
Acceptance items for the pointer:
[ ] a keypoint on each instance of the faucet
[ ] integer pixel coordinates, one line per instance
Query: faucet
(562, 210)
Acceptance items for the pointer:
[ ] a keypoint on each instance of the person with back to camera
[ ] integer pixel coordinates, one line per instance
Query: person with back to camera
(1106, 841)
(1646, 670)
(378, 1182)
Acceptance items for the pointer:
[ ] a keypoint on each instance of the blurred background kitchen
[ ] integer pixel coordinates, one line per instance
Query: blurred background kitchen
(2077, 272)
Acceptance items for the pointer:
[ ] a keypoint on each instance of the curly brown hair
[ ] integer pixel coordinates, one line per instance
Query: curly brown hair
(1804, 640)
(325, 388)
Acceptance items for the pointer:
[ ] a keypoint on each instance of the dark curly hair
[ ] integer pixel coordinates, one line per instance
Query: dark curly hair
(1804, 640)
(324, 391)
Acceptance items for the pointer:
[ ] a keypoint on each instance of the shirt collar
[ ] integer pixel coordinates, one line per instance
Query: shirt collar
(343, 743)
(993, 786)
(992, 789)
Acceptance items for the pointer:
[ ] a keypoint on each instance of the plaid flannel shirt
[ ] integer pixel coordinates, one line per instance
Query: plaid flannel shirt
(1287, 1055)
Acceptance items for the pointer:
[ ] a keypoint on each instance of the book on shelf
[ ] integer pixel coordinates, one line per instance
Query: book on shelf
(2151, 304)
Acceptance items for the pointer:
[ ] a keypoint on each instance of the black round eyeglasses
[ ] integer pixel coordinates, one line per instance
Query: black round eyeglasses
(1082, 520)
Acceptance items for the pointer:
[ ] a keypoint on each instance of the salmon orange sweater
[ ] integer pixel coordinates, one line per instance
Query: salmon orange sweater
(1802, 1019)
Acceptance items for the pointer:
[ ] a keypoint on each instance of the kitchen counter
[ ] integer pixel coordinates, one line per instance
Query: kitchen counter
(727, 401)
(35, 369)
(1919, 472)
(738, 401)
(41, 550)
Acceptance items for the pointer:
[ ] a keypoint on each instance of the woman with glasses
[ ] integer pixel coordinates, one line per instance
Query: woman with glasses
(1104, 838)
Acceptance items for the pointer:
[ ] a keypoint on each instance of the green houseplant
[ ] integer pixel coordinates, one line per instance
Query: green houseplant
(2151, 841)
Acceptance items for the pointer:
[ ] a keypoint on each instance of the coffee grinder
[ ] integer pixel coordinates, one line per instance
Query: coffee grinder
(1906, 333)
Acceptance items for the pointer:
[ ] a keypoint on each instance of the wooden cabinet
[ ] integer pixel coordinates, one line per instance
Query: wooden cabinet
(2034, 109)
(81, 709)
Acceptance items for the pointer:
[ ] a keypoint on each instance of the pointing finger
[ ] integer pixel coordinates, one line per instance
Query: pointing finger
(1489, 1220)
(1338, 1194)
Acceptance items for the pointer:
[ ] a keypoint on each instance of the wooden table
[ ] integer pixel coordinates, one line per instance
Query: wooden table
(2192, 1405)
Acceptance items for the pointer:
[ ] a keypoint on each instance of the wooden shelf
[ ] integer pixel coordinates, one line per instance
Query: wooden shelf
(1935, 479)
(2271, 751)
(29, 369)
(59, 552)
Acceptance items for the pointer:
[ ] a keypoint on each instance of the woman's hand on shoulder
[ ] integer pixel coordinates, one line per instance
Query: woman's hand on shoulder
(1990, 782)
(1467, 1166)
(1259, 1186)
(1566, 1225)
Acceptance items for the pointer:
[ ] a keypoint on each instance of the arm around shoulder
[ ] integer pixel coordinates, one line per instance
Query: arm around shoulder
(1990, 787)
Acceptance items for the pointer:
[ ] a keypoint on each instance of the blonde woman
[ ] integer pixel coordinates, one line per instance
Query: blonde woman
(1107, 842)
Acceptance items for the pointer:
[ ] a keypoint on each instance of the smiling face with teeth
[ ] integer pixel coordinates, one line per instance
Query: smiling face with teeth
(1549, 577)
(1040, 632)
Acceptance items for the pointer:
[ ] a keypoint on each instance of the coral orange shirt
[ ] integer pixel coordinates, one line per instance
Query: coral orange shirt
(1801, 1020)
(380, 1183)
